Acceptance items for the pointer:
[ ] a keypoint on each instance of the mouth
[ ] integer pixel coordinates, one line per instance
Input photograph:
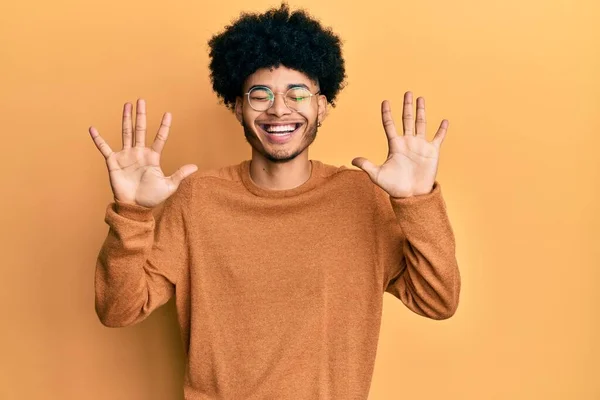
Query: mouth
(280, 133)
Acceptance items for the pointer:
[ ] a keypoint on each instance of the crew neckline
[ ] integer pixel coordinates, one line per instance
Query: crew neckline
(252, 187)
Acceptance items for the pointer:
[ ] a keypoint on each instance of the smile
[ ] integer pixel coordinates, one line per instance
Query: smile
(280, 133)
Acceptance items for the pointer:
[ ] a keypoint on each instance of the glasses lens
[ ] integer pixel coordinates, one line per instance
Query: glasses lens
(260, 98)
(297, 98)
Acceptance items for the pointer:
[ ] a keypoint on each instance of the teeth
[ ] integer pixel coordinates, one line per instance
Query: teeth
(280, 128)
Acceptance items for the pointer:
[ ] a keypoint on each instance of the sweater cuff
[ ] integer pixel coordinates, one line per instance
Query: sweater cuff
(132, 211)
(415, 209)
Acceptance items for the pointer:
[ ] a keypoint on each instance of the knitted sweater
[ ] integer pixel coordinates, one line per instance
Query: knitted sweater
(279, 293)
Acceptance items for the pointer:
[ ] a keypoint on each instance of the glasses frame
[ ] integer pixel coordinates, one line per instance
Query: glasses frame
(272, 101)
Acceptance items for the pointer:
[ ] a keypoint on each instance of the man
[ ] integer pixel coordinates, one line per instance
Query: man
(278, 264)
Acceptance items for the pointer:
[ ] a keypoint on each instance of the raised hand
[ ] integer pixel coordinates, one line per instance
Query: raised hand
(412, 161)
(134, 172)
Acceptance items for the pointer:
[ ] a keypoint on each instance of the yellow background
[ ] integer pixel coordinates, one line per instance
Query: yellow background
(518, 81)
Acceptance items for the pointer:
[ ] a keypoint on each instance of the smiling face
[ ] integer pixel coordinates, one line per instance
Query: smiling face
(280, 134)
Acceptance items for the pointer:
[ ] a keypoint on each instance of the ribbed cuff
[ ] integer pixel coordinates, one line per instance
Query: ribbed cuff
(415, 209)
(132, 211)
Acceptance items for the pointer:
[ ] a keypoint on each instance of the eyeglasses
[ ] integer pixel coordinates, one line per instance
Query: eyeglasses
(261, 98)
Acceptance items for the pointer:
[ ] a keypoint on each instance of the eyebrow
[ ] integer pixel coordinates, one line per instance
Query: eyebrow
(291, 85)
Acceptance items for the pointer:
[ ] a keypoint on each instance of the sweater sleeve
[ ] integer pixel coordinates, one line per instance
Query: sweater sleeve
(424, 274)
(139, 263)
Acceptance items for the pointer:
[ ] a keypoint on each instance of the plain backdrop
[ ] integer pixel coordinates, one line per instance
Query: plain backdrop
(517, 79)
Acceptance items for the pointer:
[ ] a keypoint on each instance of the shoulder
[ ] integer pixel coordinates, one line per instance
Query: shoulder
(358, 179)
(229, 174)
(342, 172)
(353, 183)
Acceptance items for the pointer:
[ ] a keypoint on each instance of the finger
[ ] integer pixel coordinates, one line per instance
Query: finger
(387, 120)
(100, 143)
(181, 174)
(421, 123)
(438, 139)
(408, 123)
(371, 169)
(127, 127)
(162, 134)
(140, 124)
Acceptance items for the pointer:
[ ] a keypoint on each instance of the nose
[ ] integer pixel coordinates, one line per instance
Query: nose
(278, 107)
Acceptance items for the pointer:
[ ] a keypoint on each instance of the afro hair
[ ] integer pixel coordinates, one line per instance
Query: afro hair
(269, 40)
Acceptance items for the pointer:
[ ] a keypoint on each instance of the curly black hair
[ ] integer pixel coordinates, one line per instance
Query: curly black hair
(276, 37)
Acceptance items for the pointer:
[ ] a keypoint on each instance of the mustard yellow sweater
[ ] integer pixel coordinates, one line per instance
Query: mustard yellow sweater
(279, 293)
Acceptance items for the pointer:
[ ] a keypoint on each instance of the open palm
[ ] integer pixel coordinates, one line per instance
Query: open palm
(134, 172)
(411, 165)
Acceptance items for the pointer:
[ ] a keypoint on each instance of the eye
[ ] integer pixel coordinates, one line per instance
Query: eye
(260, 95)
(298, 95)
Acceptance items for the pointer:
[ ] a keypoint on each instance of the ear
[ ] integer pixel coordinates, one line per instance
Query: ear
(239, 102)
(322, 111)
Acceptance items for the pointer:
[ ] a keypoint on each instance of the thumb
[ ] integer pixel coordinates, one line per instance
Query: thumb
(367, 166)
(182, 173)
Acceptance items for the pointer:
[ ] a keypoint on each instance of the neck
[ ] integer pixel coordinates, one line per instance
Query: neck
(280, 176)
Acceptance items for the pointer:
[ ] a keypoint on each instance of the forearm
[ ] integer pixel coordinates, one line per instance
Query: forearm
(428, 281)
(127, 287)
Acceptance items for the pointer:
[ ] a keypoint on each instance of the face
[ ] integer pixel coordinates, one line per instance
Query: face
(280, 134)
